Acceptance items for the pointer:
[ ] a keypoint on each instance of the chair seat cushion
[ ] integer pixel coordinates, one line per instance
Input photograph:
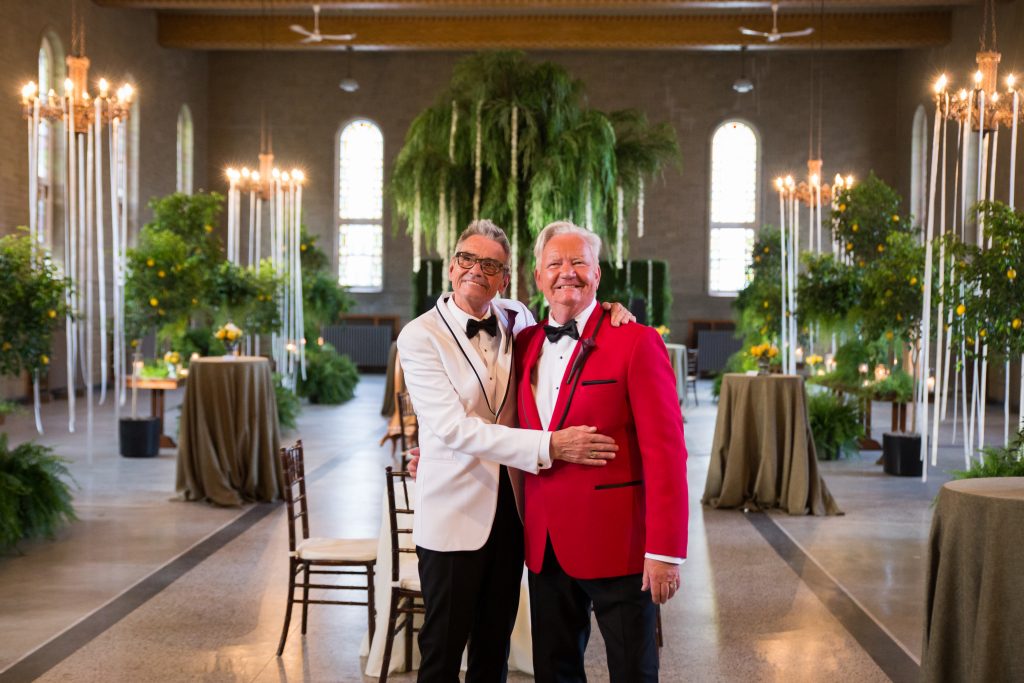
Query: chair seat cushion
(338, 549)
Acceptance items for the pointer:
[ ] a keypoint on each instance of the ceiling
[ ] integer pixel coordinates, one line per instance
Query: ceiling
(548, 24)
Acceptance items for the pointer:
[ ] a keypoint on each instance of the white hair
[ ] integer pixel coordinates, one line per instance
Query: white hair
(592, 239)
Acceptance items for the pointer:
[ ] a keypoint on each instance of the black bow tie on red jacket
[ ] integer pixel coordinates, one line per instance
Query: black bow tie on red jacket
(488, 325)
(556, 332)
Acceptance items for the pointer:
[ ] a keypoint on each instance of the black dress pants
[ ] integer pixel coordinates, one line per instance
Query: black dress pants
(473, 595)
(560, 609)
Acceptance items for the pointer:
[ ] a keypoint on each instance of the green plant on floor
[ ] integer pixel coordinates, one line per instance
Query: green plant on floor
(835, 424)
(35, 499)
(997, 462)
(288, 404)
(330, 378)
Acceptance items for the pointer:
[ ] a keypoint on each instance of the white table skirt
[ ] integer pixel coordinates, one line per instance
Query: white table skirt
(520, 655)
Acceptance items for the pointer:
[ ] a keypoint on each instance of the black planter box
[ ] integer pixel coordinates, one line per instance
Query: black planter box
(901, 454)
(140, 438)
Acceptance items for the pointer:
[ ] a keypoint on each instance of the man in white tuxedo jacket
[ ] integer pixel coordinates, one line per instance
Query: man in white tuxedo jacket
(457, 360)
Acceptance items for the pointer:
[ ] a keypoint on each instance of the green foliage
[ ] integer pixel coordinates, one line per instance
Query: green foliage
(892, 288)
(835, 424)
(988, 284)
(31, 306)
(828, 291)
(865, 215)
(427, 284)
(997, 462)
(288, 404)
(631, 281)
(180, 285)
(35, 500)
(566, 152)
(759, 304)
(330, 378)
(9, 408)
(897, 387)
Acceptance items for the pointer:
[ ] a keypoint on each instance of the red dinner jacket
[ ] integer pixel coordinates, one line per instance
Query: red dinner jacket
(602, 520)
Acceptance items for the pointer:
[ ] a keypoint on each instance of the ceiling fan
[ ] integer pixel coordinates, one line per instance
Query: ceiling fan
(315, 36)
(775, 35)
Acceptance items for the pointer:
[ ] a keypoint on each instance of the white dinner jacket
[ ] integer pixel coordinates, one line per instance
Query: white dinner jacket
(461, 444)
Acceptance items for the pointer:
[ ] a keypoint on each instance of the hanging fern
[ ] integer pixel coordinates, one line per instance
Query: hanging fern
(564, 150)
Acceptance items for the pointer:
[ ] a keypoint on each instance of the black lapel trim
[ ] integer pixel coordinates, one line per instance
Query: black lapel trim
(479, 381)
(577, 370)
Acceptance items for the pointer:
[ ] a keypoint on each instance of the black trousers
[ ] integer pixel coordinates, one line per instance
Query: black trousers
(560, 609)
(473, 595)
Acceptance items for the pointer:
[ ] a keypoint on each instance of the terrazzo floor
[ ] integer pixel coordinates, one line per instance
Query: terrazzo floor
(764, 597)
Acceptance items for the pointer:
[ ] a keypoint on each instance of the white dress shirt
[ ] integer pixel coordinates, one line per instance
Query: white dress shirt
(554, 359)
(489, 348)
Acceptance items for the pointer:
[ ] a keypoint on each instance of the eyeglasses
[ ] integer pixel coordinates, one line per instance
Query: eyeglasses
(489, 266)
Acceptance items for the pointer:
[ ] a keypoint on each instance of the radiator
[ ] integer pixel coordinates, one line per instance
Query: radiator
(366, 345)
(713, 350)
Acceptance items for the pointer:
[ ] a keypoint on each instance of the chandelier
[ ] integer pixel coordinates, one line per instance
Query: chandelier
(281, 191)
(85, 126)
(984, 107)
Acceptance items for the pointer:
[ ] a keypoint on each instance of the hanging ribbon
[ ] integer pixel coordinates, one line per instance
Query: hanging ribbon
(620, 226)
(477, 154)
(640, 209)
(417, 227)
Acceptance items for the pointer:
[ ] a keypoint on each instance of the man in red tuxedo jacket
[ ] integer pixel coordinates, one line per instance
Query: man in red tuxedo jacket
(606, 538)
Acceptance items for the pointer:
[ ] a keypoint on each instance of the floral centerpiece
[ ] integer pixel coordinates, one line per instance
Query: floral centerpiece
(764, 353)
(813, 360)
(230, 334)
(663, 331)
(173, 360)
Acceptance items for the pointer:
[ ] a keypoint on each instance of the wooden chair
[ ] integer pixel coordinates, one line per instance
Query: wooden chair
(409, 436)
(691, 374)
(406, 596)
(358, 555)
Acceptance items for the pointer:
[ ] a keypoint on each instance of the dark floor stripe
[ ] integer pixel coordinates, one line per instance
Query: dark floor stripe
(886, 652)
(52, 653)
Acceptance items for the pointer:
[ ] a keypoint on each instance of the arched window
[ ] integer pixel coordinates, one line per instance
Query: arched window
(919, 165)
(51, 73)
(360, 206)
(184, 166)
(735, 178)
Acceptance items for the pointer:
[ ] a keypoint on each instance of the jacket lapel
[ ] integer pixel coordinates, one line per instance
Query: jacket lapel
(458, 334)
(529, 417)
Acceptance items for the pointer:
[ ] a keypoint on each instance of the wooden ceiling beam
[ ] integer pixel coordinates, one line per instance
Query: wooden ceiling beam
(505, 7)
(545, 32)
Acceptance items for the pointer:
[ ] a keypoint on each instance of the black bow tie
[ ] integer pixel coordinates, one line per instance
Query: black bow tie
(556, 332)
(488, 325)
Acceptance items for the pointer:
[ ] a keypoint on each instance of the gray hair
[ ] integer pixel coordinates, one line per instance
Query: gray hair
(486, 228)
(592, 239)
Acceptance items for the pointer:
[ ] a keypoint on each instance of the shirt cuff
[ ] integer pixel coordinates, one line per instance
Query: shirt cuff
(544, 452)
(665, 558)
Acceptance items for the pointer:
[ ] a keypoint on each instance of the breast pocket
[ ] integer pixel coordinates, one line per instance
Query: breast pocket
(594, 382)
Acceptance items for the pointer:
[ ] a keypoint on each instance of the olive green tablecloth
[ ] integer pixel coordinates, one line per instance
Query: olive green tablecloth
(229, 441)
(974, 618)
(763, 454)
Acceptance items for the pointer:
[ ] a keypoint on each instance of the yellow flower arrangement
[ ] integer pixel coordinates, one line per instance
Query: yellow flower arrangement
(663, 331)
(765, 350)
(172, 357)
(229, 332)
(814, 359)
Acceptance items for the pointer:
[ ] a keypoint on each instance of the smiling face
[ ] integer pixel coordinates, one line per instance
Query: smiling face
(568, 274)
(472, 288)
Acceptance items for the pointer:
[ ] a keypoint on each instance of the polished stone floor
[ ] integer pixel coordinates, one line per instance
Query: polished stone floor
(146, 588)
